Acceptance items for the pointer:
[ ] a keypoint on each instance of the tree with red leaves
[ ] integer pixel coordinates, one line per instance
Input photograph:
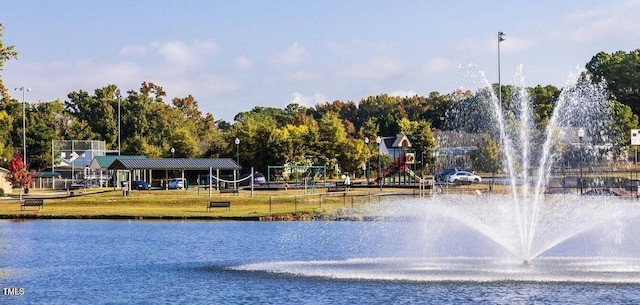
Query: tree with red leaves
(19, 174)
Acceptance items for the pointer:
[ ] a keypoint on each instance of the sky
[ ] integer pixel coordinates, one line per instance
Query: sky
(235, 55)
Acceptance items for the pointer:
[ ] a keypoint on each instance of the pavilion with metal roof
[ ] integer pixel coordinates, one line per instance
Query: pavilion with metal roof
(174, 164)
(98, 168)
(103, 162)
(142, 169)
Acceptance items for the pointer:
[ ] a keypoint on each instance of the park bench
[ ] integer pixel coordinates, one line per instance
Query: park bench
(32, 203)
(339, 187)
(219, 204)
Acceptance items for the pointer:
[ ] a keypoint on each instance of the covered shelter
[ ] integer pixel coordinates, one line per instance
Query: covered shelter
(143, 169)
(99, 168)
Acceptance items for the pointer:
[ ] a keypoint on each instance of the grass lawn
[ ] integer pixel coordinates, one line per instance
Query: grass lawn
(191, 204)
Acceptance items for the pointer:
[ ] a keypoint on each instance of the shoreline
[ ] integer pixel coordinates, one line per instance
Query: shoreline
(294, 205)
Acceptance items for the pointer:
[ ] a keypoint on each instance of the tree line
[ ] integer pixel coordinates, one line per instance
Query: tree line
(329, 133)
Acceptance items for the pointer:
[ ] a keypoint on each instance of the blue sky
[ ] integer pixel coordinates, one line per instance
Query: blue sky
(234, 55)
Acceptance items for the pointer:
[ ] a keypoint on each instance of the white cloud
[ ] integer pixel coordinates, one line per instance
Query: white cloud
(132, 51)
(219, 84)
(293, 55)
(403, 93)
(339, 49)
(438, 64)
(206, 47)
(243, 62)
(611, 20)
(57, 79)
(177, 53)
(121, 71)
(308, 101)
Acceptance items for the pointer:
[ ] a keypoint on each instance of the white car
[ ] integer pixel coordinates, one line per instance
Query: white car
(176, 183)
(463, 177)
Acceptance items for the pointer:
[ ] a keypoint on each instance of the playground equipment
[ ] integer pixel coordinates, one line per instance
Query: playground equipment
(399, 172)
(302, 174)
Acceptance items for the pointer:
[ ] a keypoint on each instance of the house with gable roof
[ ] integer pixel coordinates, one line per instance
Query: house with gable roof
(394, 146)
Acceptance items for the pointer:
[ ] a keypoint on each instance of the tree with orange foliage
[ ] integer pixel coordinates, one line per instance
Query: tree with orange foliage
(19, 174)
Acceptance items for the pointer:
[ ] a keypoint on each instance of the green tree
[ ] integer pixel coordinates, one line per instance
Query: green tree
(6, 53)
(488, 157)
(39, 136)
(292, 144)
(422, 139)
(98, 112)
(370, 130)
(297, 114)
(441, 106)
(253, 129)
(385, 110)
(47, 122)
(332, 140)
(621, 70)
(151, 126)
(184, 143)
(544, 100)
(79, 130)
(474, 114)
(6, 124)
(619, 129)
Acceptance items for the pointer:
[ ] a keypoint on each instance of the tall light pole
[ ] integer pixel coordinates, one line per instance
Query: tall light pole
(580, 136)
(173, 152)
(500, 39)
(24, 125)
(379, 141)
(237, 141)
(366, 169)
(84, 176)
(119, 124)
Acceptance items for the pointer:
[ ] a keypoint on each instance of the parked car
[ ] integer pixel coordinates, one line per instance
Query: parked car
(463, 177)
(442, 175)
(258, 179)
(176, 183)
(140, 185)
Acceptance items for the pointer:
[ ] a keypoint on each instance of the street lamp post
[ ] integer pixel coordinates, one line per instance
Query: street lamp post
(237, 141)
(580, 136)
(24, 125)
(366, 169)
(379, 141)
(84, 174)
(500, 39)
(119, 125)
(173, 152)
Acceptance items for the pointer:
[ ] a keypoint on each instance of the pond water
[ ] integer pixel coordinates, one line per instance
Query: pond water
(198, 262)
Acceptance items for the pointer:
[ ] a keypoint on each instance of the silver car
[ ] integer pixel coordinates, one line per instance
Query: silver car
(463, 177)
(176, 183)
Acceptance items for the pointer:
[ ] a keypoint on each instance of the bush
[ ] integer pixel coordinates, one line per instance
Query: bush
(1, 192)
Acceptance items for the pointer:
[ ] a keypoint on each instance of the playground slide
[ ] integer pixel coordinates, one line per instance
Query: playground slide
(415, 176)
(396, 167)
